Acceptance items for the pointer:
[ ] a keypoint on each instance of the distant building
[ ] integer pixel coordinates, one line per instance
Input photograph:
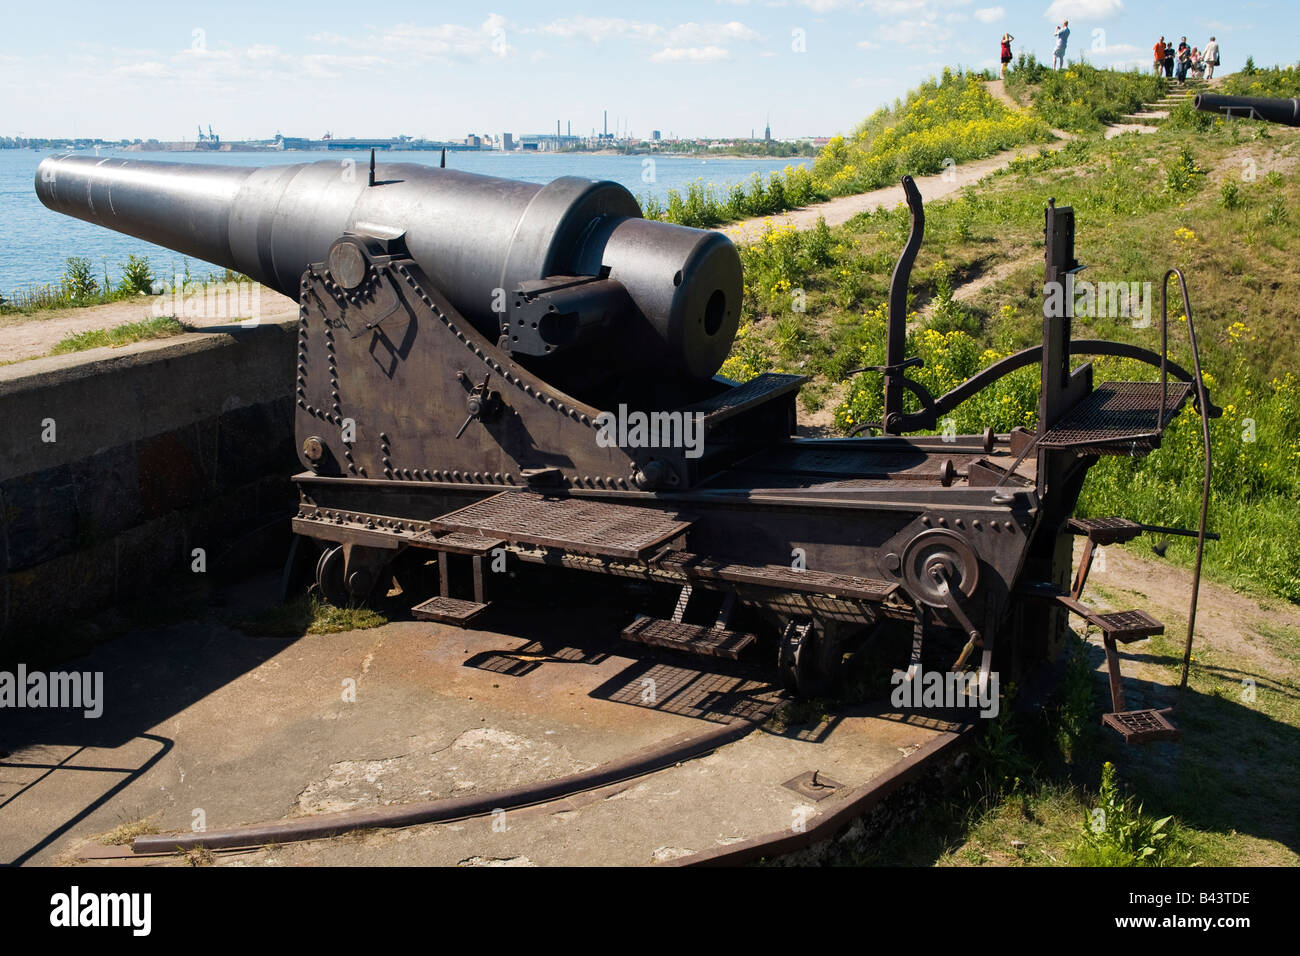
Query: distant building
(473, 141)
(654, 135)
(507, 141)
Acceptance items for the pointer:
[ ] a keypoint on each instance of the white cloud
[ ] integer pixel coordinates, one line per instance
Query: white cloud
(1084, 9)
(711, 33)
(924, 8)
(990, 14)
(868, 45)
(149, 69)
(871, 82)
(416, 42)
(924, 34)
(825, 6)
(694, 54)
(597, 29)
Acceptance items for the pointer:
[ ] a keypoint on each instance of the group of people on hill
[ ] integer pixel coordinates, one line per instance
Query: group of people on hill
(1183, 61)
(1180, 61)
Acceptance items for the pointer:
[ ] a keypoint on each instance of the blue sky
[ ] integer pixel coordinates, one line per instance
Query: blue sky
(709, 67)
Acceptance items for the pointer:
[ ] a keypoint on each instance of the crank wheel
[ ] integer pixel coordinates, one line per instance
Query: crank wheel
(329, 577)
(939, 549)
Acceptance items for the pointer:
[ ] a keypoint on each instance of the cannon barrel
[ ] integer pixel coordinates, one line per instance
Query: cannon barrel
(479, 238)
(1286, 112)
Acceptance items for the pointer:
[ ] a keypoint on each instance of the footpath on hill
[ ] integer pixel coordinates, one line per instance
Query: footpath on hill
(844, 208)
(837, 211)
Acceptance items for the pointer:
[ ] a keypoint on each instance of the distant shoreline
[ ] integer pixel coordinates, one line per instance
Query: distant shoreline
(180, 148)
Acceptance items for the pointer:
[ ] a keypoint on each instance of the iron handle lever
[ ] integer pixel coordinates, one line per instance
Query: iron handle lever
(888, 369)
(477, 403)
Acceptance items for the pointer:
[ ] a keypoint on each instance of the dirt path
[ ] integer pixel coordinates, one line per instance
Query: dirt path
(837, 211)
(31, 336)
(841, 210)
(1236, 624)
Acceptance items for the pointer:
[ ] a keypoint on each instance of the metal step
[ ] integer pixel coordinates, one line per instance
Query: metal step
(1123, 626)
(1105, 531)
(1126, 626)
(458, 542)
(692, 638)
(449, 610)
(1117, 418)
(578, 525)
(1141, 726)
(757, 391)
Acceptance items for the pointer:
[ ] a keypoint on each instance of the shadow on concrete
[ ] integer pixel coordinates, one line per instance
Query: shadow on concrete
(131, 774)
(148, 677)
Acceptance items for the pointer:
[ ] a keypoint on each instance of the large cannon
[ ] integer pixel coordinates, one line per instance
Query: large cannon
(494, 375)
(1284, 111)
(566, 268)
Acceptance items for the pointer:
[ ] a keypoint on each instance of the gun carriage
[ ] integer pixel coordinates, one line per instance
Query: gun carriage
(492, 371)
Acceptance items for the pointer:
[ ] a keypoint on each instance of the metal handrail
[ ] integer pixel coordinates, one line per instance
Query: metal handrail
(1203, 401)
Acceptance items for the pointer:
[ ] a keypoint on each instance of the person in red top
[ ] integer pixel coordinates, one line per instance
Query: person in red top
(1160, 56)
(1006, 52)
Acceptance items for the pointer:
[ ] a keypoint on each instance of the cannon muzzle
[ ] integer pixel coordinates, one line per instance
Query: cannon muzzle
(657, 293)
(1286, 112)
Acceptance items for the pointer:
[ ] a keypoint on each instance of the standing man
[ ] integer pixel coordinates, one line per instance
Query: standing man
(1169, 61)
(1160, 56)
(1210, 57)
(1184, 59)
(1062, 34)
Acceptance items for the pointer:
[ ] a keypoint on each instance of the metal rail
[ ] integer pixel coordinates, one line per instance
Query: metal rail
(1202, 401)
(928, 416)
(319, 826)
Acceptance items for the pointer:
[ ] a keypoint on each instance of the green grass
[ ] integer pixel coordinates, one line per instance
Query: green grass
(952, 119)
(81, 286)
(1277, 81)
(308, 615)
(1081, 98)
(1029, 796)
(160, 327)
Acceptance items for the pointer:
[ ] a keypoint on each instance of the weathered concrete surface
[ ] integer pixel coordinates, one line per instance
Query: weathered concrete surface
(116, 467)
(202, 720)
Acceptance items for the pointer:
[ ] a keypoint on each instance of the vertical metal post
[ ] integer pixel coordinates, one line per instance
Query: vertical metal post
(896, 343)
(1085, 563)
(1058, 236)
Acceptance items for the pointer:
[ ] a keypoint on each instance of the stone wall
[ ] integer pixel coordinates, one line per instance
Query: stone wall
(116, 465)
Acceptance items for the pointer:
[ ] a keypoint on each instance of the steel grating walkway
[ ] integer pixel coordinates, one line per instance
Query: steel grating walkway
(579, 525)
(1116, 413)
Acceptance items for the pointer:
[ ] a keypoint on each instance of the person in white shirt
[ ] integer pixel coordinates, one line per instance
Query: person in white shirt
(1210, 57)
(1062, 34)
